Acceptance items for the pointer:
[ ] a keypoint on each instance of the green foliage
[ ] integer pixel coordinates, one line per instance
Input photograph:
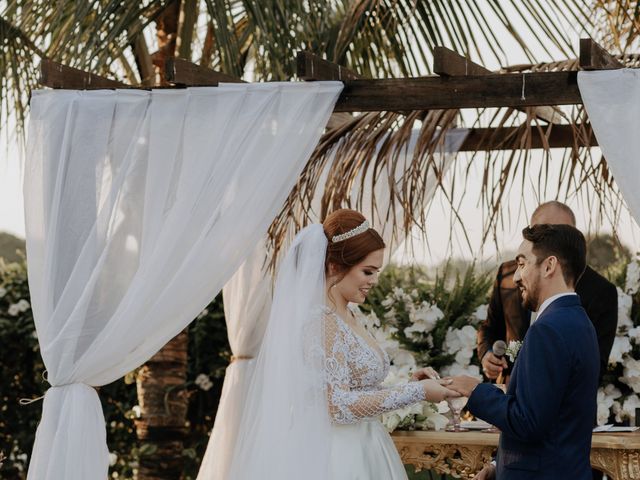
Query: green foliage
(456, 295)
(609, 257)
(11, 247)
(22, 371)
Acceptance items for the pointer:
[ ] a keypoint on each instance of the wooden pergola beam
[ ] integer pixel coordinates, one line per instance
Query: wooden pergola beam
(57, 75)
(594, 57)
(501, 138)
(310, 67)
(448, 63)
(184, 73)
(475, 91)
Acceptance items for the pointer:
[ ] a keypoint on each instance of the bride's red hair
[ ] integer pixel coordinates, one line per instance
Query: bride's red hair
(347, 253)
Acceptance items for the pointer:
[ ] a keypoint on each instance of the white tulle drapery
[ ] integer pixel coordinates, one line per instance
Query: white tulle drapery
(612, 100)
(247, 298)
(139, 207)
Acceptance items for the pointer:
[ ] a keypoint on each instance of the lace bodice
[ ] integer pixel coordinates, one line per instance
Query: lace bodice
(355, 368)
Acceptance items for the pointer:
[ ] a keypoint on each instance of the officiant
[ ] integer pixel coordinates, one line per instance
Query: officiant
(507, 319)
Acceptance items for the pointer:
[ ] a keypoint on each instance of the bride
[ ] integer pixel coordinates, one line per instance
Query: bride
(316, 392)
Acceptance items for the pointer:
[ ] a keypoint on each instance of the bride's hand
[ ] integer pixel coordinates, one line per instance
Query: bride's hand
(436, 390)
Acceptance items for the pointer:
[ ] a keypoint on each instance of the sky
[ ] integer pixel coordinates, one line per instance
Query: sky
(442, 242)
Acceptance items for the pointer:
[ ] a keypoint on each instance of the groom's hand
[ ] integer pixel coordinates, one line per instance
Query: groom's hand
(492, 366)
(424, 374)
(463, 384)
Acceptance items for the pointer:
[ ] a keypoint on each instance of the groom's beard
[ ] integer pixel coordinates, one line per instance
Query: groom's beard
(530, 297)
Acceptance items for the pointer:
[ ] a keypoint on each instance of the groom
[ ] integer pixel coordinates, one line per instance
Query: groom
(547, 413)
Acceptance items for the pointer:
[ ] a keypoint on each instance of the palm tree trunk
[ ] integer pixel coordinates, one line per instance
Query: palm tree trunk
(162, 396)
(163, 402)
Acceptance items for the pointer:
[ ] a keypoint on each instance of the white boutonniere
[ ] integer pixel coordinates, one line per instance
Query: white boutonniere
(512, 349)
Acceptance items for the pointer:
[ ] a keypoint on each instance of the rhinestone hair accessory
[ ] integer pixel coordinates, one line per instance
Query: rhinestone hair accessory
(363, 227)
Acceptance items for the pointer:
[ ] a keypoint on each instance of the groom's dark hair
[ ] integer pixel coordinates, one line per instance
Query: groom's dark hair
(564, 242)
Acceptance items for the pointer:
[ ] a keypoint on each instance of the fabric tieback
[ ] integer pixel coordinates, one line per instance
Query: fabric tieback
(29, 401)
(235, 358)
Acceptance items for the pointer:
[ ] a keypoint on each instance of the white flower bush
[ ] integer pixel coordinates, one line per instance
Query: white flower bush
(618, 398)
(421, 324)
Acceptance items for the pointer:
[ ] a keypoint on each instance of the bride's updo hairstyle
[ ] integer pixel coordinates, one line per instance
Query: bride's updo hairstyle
(344, 254)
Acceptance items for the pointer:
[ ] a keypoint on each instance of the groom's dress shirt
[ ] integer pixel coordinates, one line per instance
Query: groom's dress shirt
(547, 413)
(508, 320)
(549, 300)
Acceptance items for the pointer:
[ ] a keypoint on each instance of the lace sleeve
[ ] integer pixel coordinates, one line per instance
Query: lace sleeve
(347, 404)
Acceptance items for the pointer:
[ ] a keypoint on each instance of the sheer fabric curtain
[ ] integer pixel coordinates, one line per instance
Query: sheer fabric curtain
(612, 100)
(139, 207)
(247, 302)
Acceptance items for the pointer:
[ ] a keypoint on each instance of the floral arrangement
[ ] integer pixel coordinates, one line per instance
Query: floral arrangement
(426, 323)
(618, 396)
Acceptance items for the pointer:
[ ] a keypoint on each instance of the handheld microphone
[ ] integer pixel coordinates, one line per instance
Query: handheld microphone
(499, 349)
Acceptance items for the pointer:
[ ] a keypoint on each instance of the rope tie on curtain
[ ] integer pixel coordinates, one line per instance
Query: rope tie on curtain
(29, 401)
(240, 357)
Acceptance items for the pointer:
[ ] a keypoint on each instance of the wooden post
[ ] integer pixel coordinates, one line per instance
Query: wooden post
(448, 63)
(311, 67)
(182, 72)
(57, 75)
(594, 57)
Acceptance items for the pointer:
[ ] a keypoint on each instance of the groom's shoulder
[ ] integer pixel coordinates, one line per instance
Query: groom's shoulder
(566, 319)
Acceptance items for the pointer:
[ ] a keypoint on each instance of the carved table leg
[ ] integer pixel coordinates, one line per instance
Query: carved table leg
(457, 460)
(617, 464)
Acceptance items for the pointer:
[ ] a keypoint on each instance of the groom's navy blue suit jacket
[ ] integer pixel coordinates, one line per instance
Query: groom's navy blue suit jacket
(547, 414)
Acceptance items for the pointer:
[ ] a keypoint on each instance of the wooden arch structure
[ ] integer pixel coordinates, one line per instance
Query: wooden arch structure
(458, 83)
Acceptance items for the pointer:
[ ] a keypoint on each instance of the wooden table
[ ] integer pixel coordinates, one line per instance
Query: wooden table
(465, 453)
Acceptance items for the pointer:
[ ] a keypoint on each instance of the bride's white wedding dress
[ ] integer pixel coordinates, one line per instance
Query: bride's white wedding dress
(361, 448)
(316, 391)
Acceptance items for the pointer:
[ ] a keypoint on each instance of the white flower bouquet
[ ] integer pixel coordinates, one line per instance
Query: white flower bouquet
(426, 323)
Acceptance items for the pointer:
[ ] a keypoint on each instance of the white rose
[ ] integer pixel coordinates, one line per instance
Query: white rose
(480, 314)
(443, 407)
(204, 382)
(629, 407)
(137, 411)
(23, 305)
(423, 319)
(3, 292)
(634, 334)
(621, 346)
(391, 420)
(632, 281)
(603, 413)
(14, 309)
(631, 373)
(624, 310)
(612, 391)
(605, 400)
(436, 420)
(113, 458)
